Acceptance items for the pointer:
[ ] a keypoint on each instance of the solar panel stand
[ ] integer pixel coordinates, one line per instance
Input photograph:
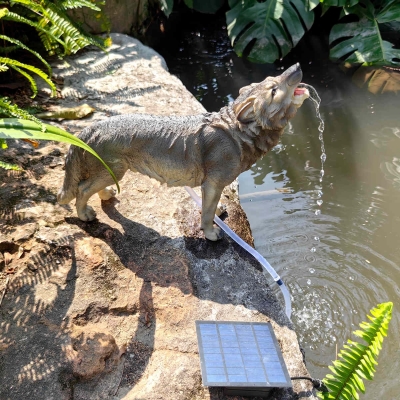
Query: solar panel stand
(242, 357)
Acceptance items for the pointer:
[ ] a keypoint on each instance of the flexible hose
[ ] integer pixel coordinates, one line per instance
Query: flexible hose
(267, 266)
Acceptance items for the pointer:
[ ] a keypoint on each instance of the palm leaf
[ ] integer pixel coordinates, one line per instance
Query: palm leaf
(357, 361)
(361, 42)
(13, 128)
(275, 27)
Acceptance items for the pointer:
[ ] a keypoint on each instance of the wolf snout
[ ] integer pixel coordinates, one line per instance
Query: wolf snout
(293, 75)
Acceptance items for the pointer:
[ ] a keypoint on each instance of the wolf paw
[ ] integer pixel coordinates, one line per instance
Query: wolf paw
(214, 234)
(107, 193)
(88, 214)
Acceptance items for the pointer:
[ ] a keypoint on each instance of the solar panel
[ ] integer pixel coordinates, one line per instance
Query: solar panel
(240, 355)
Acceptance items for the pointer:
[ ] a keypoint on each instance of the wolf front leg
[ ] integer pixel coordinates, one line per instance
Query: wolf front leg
(210, 197)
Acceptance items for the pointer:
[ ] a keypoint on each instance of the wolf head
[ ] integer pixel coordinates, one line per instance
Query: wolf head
(273, 102)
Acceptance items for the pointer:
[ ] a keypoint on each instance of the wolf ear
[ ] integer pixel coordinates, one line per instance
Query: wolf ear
(248, 87)
(245, 110)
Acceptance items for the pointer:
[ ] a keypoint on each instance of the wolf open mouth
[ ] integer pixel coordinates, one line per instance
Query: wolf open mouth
(299, 95)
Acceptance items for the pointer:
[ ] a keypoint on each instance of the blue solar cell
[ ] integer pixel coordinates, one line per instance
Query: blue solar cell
(239, 353)
(233, 360)
(215, 371)
(237, 378)
(217, 378)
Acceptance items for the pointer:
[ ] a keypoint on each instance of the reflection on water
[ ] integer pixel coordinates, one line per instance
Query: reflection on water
(335, 242)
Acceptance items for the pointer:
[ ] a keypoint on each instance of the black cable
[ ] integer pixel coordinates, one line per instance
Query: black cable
(317, 383)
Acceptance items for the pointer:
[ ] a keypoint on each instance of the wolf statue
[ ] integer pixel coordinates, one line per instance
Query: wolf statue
(208, 150)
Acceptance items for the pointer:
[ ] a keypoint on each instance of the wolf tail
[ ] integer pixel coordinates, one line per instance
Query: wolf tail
(69, 189)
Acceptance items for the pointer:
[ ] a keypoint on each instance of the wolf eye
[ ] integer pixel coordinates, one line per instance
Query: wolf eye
(273, 92)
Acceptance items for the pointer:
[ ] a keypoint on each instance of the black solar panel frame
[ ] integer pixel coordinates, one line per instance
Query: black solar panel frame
(238, 385)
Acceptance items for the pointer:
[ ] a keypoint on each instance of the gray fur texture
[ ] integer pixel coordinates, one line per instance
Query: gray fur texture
(208, 150)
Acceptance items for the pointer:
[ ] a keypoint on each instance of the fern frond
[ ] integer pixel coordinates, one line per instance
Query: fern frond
(23, 46)
(29, 78)
(71, 4)
(37, 71)
(12, 110)
(11, 16)
(3, 12)
(357, 361)
(8, 166)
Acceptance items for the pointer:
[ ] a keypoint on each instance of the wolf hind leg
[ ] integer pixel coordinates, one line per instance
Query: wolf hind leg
(87, 188)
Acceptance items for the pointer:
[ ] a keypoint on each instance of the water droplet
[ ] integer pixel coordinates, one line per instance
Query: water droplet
(312, 270)
(323, 157)
(320, 193)
(317, 212)
(313, 250)
(351, 278)
(319, 202)
(316, 238)
(308, 281)
(322, 173)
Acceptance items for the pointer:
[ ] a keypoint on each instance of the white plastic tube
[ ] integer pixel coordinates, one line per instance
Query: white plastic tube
(266, 265)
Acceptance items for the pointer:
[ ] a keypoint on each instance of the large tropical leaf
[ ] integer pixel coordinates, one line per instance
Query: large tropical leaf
(357, 361)
(361, 42)
(13, 128)
(274, 27)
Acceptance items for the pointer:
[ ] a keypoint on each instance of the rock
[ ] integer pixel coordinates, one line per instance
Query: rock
(91, 350)
(25, 232)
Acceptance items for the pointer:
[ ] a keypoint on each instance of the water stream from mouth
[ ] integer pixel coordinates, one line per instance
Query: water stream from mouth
(314, 97)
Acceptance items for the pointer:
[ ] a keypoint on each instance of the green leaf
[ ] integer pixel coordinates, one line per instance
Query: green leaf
(365, 47)
(339, 3)
(361, 42)
(12, 128)
(167, 6)
(275, 27)
(43, 75)
(22, 46)
(356, 361)
(390, 12)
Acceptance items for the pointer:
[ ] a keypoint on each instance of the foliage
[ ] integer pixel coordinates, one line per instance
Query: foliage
(357, 361)
(58, 34)
(267, 30)
(14, 128)
(275, 27)
(362, 41)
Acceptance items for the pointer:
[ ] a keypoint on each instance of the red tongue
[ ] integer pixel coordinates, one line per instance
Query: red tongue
(299, 91)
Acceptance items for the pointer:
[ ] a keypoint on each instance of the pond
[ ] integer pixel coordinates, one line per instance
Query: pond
(335, 243)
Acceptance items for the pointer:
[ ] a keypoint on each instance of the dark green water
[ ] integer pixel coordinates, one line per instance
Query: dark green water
(336, 243)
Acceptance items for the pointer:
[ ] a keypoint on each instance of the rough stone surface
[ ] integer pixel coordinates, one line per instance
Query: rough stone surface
(107, 310)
